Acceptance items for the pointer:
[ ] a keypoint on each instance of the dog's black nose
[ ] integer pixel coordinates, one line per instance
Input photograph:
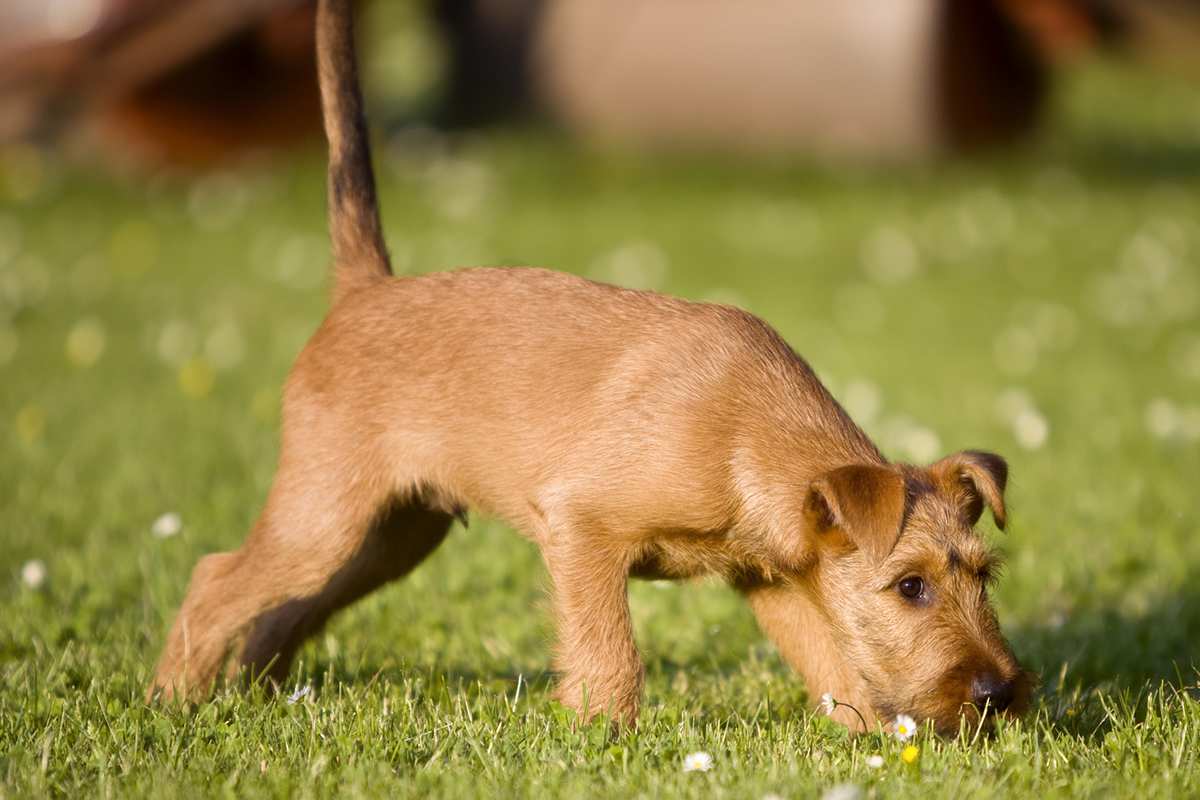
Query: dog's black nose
(990, 690)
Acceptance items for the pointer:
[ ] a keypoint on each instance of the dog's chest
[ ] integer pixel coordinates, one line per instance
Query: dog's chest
(684, 556)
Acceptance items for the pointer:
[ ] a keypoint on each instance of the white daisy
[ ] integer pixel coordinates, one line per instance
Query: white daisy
(875, 761)
(699, 761)
(33, 573)
(828, 704)
(167, 525)
(299, 694)
(1030, 429)
(904, 728)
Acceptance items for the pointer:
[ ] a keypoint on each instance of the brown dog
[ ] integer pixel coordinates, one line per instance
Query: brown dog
(627, 433)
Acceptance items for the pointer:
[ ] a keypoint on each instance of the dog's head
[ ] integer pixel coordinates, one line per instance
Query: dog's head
(903, 579)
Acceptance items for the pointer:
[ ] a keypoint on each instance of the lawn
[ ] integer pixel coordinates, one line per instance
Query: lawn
(1044, 304)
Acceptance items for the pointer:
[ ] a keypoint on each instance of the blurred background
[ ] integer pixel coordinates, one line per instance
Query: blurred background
(195, 82)
(978, 219)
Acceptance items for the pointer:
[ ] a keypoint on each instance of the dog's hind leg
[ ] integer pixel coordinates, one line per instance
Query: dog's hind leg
(309, 530)
(400, 539)
(326, 536)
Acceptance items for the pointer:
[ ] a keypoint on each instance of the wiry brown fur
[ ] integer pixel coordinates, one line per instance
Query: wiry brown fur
(625, 433)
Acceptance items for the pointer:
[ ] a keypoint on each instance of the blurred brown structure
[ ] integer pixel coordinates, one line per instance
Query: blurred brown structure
(192, 81)
(1063, 28)
(179, 80)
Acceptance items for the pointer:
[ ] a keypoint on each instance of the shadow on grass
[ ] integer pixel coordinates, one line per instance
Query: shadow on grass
(454, 678)
(1096, 651)
(1126, 158)
(1123, 656)
(1105, 646)
(323, 672)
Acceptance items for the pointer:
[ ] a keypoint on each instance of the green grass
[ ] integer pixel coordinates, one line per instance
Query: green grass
(145, 329)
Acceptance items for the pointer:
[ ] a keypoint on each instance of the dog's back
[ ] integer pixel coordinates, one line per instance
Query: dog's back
(508, 389)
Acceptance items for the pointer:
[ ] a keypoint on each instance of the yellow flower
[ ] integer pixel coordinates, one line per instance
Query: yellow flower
(196, 378)
(909, 754)
(31, 423)
(85, 342)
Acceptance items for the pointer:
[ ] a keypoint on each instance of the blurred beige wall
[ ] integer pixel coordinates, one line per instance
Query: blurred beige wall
(851, 77)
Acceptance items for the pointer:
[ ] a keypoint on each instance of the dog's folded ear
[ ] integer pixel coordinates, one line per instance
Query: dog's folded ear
(974, 478)
(864, 503)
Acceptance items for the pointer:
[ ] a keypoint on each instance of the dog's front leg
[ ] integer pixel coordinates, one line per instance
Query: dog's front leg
(600, 671)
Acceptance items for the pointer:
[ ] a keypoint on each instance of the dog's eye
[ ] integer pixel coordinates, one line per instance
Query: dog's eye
(912, 587)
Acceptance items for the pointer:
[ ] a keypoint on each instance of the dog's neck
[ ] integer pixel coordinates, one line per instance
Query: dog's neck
(776, 457)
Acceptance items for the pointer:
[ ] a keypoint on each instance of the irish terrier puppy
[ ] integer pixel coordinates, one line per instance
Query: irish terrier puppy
(626, 433)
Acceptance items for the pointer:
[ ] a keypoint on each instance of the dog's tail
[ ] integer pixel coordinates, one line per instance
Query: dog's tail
(359, 253)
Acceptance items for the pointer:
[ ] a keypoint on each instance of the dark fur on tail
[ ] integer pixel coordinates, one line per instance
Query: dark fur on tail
(359, 253)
